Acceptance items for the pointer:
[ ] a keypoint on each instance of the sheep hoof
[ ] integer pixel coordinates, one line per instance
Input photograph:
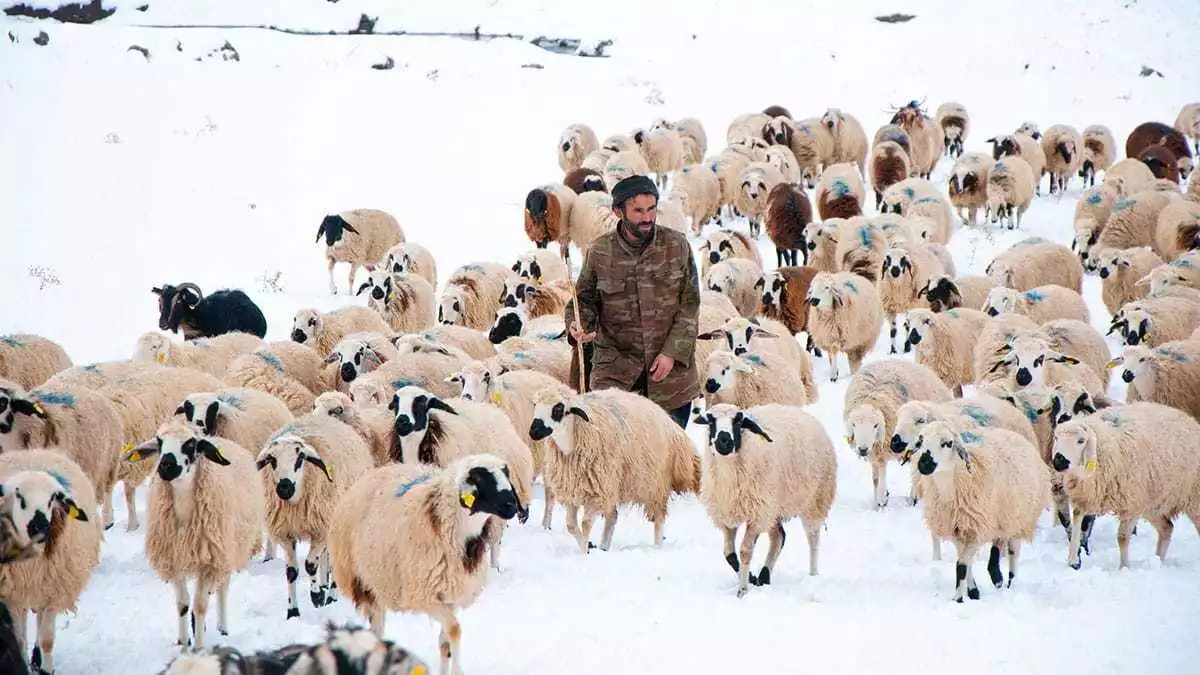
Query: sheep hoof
(108, 526)
(742, 591)
(318, 598)
(732, 559)
(293, 613)
(764, 577)
(223, 632)
(1075, 565)
(893, 350)
(973, 593)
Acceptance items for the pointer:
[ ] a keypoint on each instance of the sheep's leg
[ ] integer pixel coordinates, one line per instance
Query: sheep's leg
(106, 505)
(748, 541)
(833, 365)
(494, 539)
(293, 572)
(199, 611)
(378, 619)
(993, 566)
(350, 280)
(327, 579)
(312, 565)
(451, 637)
(964, 580)
(548, 514)
(1087, 523)
(777, 537)
(937, 547)
(1062, 504)
(892, 330)
(223, 608)
(1165, 528)
(813, 532)
(879, 479)
(793, 257)
(1076, 534)
(181, 608)
(43, 652)
(1124, 529)
(572, 520)
(731, 557)
(131, 520)
(855, 356)
(1014, 552)
(268, 548)
(610, 524)
(590, 514)
(332, 286)
(20, 618)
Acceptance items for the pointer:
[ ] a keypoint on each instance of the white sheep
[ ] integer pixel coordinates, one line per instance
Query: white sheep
(763, 466)
(622, 165)
(541, 266)
(726, 244)
(1062, 146)
(552, 357)
(735, 278)
(93, 376)
(955, 122)
(782, 158)
(1178, 229)
(1033, 359)
(845, 316)
(1156, 320)
(1010, 186)
(411, 538)
(698, 191)
(1168, 374)
(300, 501)
(1025, 146)
(1120, 271)
(361, 237)
(751, 379)
(612, 448)
(405, 301)
(690, 129)
(412, 258)
(749, 124)
(355, 355)
(992, 346)
(373, 424)
(472, 294)
(754, 185)
(29, 360)
(663, 150)
(207, 355)
(906, 270)
(287, 370)
(591, 217)
(1139, 460)
(323, 330)
(205, 519)
(1091, 215)
(1099, 152)
(426, 369)
(1041, 304)
(849, 139)
(945, 342)
(474, 343)
(812, 143)
(46, 490)
(1034, 262)
(763, 335)
(575, 143)
(1134, 221)
(1128, 177)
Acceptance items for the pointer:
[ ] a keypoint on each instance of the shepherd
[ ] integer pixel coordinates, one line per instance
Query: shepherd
(639, 303)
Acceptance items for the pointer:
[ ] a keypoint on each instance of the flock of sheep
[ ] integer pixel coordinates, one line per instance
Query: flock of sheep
(400, 438)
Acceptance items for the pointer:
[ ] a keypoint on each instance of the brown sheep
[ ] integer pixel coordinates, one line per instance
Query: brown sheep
(841, 192)
(927, 142)
(789, 211)
(547, 208)
(1149, 134)
(582, 180)
(785, 298)
(777, 111)
(889, 165)
(1161, 162)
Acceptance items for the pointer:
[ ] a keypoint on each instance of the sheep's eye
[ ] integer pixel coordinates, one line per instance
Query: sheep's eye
(1079, 441)
(946, 444)
(312, 322)
(1039, 361)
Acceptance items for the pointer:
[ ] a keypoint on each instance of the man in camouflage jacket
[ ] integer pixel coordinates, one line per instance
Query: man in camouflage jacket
(639, 302)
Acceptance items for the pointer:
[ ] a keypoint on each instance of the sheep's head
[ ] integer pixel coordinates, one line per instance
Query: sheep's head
(781, 158)
(720, 246)
(918, 325)
(1137, 364)
(170, 298)
(721, 278)
(334, 229)
(368, 392)
(942, 293)
(285, 457)
(911, 418)
(452, 307)
(1138, 323)
(662, 123)
(896, 262)
(1069, 401)
(771, 284)
(510, 321)
(938, 447)
(202, 412)
(779, 131)
(551, 406)
(738, 333)
(865, 428)
(477, 380)
(23, 420)
(827, 292)
(306, 323)
(1001, 301)
(153, 348)
(356, 356)
(334, 404)
(832, 119)
(725, 424)
(515, 292)
(1074, 448)
(424, 343)
(399, 260)
(721, 370)
(1087, 234)
(823, 235)
(40, 501)
(412, 407)
(1065, 148)
(528, 267)
(380, 283)
(1029, 129)
(1110, 262)
(485, 487)
(179, 450)
(1029, 356)
(570, 139)
(1004, 146)
(754, 184)
(618, 143)
(1161, 278)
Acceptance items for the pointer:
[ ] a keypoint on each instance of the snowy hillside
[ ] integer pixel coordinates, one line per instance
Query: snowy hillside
(123, 171)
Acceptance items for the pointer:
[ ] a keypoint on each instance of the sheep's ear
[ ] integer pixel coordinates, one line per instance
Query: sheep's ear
(718, 334)
(211, 452)
(210, 417)
(265, 460)
(439, 404)
(963, 454)
(698, 417)
(924, 291)
(320, 233)
(741, 366)
(516, 267)
(764, 333)
(704, 247)
(1123, 261)
(1063, 358)
(333, 357)
(580, 413)
(760, 284)
(143, 451)
(362, 288)
(347, 226)
(999, 364)
(749, 424)
(1116, 361)
(69, 507)
(320, 464)
(27, 407)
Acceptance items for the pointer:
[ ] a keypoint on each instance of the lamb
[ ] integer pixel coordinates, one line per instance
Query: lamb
(698, 190)
(47, 517)
(841, 192)
(612, 448)
(979, 486)
(789, 212)
(943, 293)
(622, 165)
(323, 330)
(1140, 460)
(788, 471)
(1178, 229)
(1027, 148)
(412, 538)
(426, 369)
(845, 315)
(143, 401)
(906, 270)
(576, 142)
(889, 165)
(548, 211)
(968, 185)
(299, 503)
(946, 342)
(1011, 185)
(184, 308)
(927, 142)
(286, 370)
(412, 258)
(541, 266)
(1150, 134)
(813, 145)
(375, 233)
(1156, 321)
(766, 337)
(207, 355)
(472, 295)
(473, 343)
(1167, 374)
(203, 521)
(735, 278)
(1099, 151)
(1040, 304)
(1034, 262)
(954, 121)
(663, 150)
(1091, 215)
(79, 423)
(1128, 177)
(785, 296)
(872, 400)
(726, 244)
(900, 196)
(405, 301)
(1121, 270)
(584, 179)
(591, 217)
(755, 184)
(1063, 147)
(30, 360)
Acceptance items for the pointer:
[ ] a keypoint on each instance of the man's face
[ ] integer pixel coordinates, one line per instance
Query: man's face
(640, 211)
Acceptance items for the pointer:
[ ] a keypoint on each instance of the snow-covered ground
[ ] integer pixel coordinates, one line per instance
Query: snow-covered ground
(120, 173)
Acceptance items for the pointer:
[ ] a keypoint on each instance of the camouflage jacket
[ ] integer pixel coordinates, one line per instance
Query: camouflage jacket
(641, 304)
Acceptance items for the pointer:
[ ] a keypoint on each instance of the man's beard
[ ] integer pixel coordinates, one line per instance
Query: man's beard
(637, 234)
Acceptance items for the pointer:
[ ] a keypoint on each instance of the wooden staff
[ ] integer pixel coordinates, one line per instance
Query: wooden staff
(579, 343)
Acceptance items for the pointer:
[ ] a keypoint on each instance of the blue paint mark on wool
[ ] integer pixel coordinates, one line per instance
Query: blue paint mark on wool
(62, 480)
(1112, 418)
(409, 382)
(270, 360)
(1029, 241)
(1035, 296)
(1124, 204)
(550, 336)
(1031, 413)
(909, 192)
(1095, 199)
(54, 398)
(981, 416)
(753, 358)
(840, 187)
(864, 236)
(12, 341)
(1000, 165)
(1181, 262)
(472, 267)
(970, 438)
(1173, 354)
(403, 489)
(92, 368)
(954, 313)
(850, 285)
(232, 400)
(926, 200)
(289, 430)
(903, 389)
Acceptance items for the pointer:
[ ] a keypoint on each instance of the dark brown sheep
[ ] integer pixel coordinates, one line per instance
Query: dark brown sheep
(839, 206)
(543, 217)
(942, 293)
(788, 212)
(784, 297)
(583, 180)
(889, 165)
(1161, 161)
(777, 111)
(1148, 134)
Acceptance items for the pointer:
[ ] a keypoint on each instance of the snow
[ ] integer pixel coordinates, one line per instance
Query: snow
(122, 173)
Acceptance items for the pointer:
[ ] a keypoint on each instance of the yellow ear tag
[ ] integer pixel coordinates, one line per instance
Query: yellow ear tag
(1090, 466)
(161, 358)
(328, 472)
(73, 512)
(37, 408)
(495, 397)
(849, 439)
(420, 670)
(468, 499)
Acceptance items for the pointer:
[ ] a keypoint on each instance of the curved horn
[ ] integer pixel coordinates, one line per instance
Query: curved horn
(194, 287)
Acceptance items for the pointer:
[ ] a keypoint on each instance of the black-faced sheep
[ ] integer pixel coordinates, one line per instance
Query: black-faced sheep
(185, 308)
(954, 121)
(1063, 148)
(585, 180)
(1010, 187)
(547, 214)
(405, 301)
(371, 234)
(323, 330)
(1027, 148)
(1099, 151)
(1149, 134)
(889, 165)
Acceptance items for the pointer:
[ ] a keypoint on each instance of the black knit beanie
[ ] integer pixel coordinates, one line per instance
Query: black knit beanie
(632, 187)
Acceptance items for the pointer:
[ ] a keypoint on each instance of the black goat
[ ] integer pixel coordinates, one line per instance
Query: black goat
(226, 311)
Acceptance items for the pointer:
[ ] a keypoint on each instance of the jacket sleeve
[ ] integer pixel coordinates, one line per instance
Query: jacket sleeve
(681, 339)
(589, 298)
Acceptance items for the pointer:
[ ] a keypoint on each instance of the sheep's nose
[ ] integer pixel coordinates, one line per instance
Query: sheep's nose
(377, 293)
(506, 504)
(1103, 272)
(1127, 376)
(39, 527)
(723, 444)
(897, 443)
(510, 301)
(566, 147)
(1024, 377)
(992, 311)
(767, 299)
(404, 425)
(297, 336)
(926, 464)
(711, 385)
(810, 245)
(168, 468)
(780, 139)
(914, 338)
(740, 349)
(895, 272)
(348, 372)
(714, 257)
(286, 489)
(538, 430)
(466, 396)
(1132, 339)
(1060, 463)
(862, 451)
(815, 302)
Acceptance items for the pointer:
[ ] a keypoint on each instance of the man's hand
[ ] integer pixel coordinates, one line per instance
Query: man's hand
(661, 367)
(580, 336)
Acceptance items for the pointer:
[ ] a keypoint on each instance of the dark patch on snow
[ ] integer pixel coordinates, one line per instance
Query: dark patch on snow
(42, 39)
(895, 18)
(142, 8)
(535, 66)
(138, 48)
(71, 12)
(386, 65)
(366, 25)
(1147, 71)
